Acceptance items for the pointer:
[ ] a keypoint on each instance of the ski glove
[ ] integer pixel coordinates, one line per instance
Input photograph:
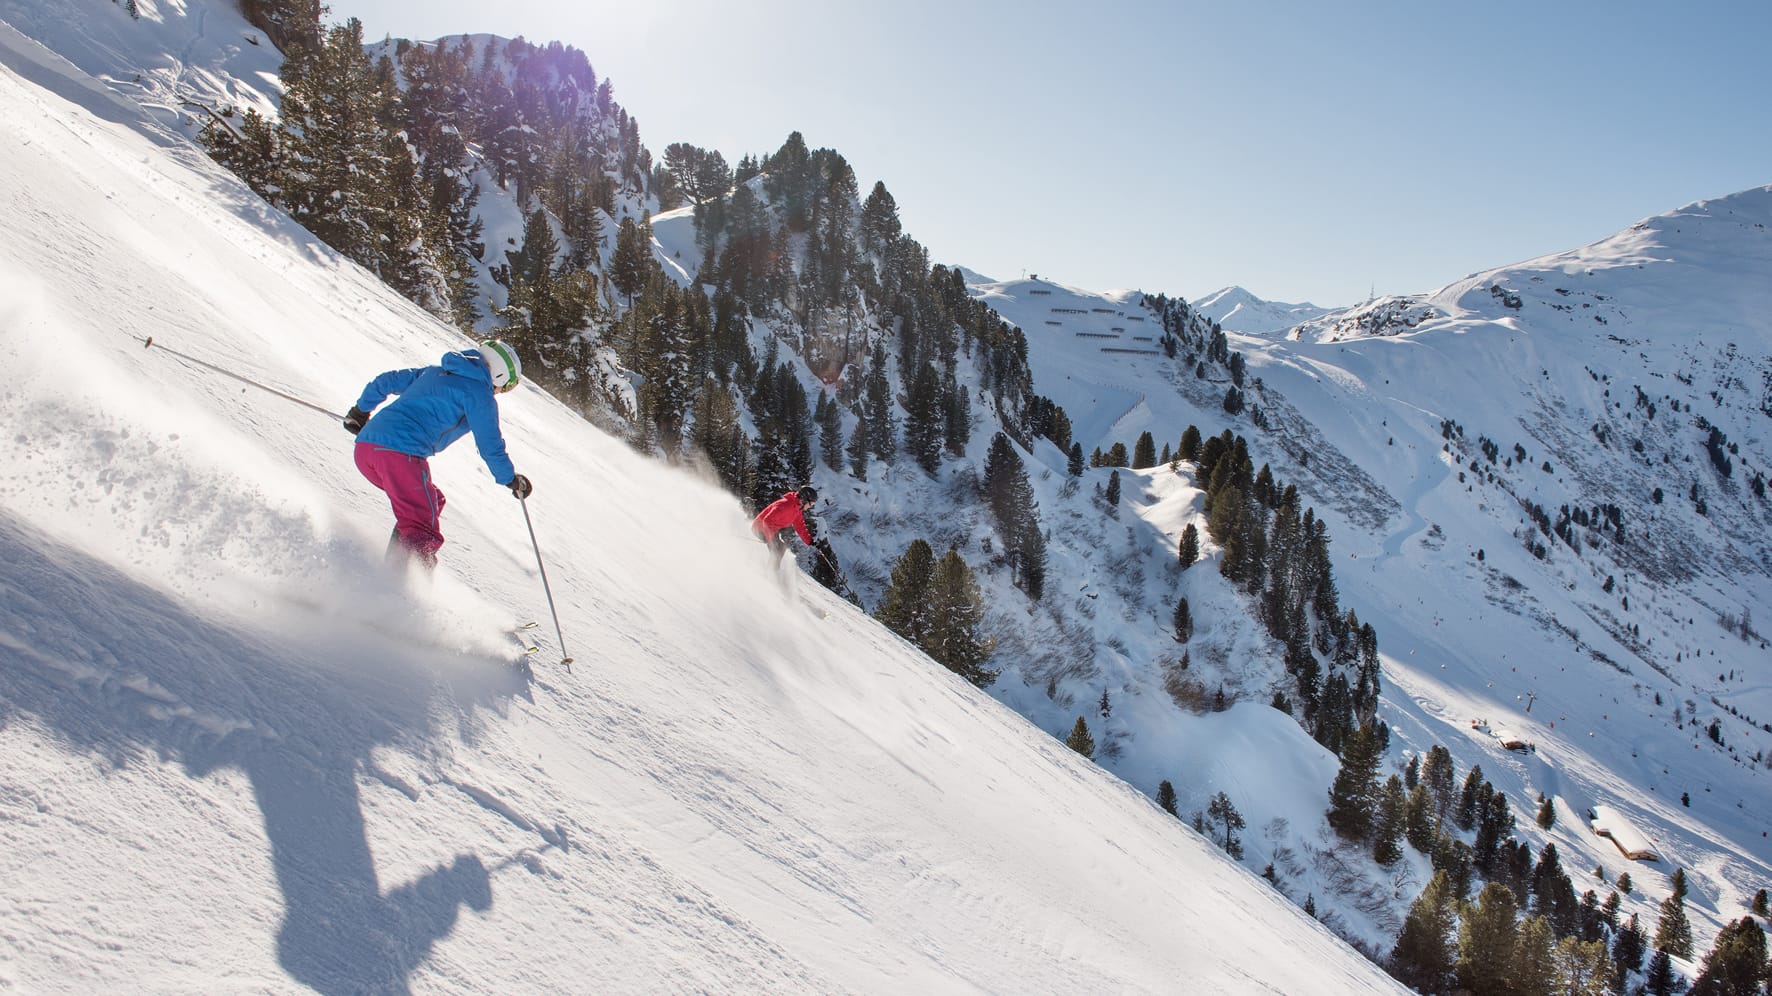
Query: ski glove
(520, 486)
(355, 420)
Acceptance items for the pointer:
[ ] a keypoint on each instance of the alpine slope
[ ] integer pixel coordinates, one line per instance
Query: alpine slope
(238, 753)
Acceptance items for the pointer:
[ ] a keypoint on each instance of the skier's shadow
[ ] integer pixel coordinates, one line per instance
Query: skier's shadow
(123, 672)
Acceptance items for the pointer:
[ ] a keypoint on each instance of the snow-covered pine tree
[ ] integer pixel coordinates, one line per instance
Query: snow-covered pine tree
(335, 175)
(632, 262)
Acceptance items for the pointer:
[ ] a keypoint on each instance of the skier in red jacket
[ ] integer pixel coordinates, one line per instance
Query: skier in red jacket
(787, 512)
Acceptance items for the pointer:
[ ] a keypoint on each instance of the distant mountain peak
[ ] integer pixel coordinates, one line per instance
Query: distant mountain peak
(1238, 310)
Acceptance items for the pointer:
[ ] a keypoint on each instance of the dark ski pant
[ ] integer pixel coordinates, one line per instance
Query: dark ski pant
(777, 544)
(418, 505)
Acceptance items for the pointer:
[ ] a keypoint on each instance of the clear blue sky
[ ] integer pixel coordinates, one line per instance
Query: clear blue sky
(1305, 150)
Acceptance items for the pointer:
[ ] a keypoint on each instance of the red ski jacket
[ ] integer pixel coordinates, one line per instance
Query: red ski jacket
(782, 513)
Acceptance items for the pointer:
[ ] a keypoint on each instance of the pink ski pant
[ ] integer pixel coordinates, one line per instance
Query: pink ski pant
(418, 505)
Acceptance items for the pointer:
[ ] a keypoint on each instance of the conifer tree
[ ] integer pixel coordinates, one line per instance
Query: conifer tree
(882, 428)
(1736, 963)
(1190, 444)
(1534, 968)
(719, 436)
(1628, 948)
(1183, 621)
(857, 450)
(1494, 820)
(335, 176)
(880, 227)
(1437, 776)
(1189, 546)
(1112, 497)
(1486, 942)
(925, 421)
(665, 394)
(1419, 823)
(1144, 452)
(829, 416)
(632, 262)
(1061, 430)
(905, 605)
(1074, 461)
(1673, 932)
(1080, 740)
(1229, 821)
(251, 154)
(957, 419)
(1464, 816)
(1661, 979)
(1011, 499)
(956, 613)
(1387, 830)
(1166, 797)
(1353, 796)
(1423, 956)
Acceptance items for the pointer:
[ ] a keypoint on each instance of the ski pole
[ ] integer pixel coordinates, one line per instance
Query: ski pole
(565, 658)
(149, 343)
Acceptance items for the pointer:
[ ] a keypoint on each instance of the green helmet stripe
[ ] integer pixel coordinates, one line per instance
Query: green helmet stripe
(504, 354)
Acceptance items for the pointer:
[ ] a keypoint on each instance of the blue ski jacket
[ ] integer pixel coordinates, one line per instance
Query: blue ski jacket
(436, 406)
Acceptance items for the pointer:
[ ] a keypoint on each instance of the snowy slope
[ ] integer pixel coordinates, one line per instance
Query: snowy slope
(235, 755)
(1587, 654)
(1237, 310)
(1601, 644)
(1472, 625)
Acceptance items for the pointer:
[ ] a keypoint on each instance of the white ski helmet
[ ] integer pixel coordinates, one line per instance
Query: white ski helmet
(502, 360)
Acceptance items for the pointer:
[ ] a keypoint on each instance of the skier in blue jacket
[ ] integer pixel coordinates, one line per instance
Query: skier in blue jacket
(435, 407)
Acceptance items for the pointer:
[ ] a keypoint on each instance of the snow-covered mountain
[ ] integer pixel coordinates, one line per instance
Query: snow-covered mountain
(1614, 650)
(1237, 310)
(236, 755)
(1547, 485)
